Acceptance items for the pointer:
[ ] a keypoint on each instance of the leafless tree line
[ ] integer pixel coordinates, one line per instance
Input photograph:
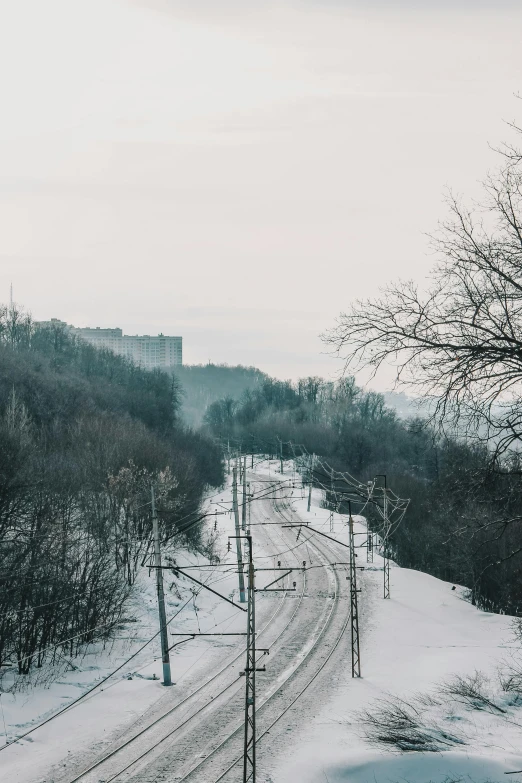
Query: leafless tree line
(75, 482)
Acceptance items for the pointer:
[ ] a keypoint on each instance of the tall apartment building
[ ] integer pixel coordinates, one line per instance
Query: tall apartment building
(147, 351)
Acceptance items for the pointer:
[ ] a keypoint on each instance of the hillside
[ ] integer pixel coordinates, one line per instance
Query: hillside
(84, 434)
(463, 519)
(420, 650)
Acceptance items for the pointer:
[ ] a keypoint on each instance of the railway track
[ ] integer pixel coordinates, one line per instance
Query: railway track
(237, 733)
(307, 658)
(300, 652)
(145, 741)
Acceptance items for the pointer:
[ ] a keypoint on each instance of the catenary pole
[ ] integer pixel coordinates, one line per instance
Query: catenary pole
(165, 658)
(386, 533)
(312, 460)
(238, 541)
(386, 544)
(244, 504)
(249, 753)
(369, 536)
(354, 608)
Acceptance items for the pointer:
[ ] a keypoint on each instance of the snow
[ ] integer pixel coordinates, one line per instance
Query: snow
(422, 768)
(137, 687)
(424, 635)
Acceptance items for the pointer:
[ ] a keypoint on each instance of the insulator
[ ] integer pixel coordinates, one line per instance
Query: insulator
(304, 563)
(294, 583)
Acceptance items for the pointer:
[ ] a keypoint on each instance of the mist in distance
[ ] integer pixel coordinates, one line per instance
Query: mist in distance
(238, 175)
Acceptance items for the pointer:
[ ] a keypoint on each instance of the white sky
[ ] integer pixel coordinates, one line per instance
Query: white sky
(237, 171)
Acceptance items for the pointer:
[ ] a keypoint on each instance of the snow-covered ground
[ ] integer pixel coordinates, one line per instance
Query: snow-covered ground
(137, 686)
(424, 635)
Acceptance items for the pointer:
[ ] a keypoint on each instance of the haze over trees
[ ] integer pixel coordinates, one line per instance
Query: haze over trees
(447, 530)
(83, 434)
(202, 384)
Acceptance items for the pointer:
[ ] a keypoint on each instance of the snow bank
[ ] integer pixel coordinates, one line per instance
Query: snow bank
(425, 768)
(424, 634)
(137, 687)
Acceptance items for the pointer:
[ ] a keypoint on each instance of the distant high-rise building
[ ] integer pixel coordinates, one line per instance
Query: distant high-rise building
(145, 350)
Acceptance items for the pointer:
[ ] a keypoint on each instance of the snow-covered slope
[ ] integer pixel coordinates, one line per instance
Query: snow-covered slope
(424, 636)
(136, 687)
(414, 645)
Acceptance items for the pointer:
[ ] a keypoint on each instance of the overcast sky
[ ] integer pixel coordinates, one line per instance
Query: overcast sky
(238, 172)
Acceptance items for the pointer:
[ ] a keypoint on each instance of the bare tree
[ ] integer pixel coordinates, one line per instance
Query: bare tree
(461, 341)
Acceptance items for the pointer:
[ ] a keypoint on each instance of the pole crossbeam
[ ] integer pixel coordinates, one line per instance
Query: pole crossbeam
(198, 582)
(285, 573)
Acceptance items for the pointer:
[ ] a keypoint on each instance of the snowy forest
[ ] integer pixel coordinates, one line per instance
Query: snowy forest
(83, 435)
(463, 521)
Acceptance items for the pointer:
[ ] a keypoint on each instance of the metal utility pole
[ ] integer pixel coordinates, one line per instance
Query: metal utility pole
(386, 531)
(244, 505)
(312, 460)
(252, 460)
(281, 455)
(386, 545)
(354, 609)
(238, 541)
(228, 456)
(369, 546)
(249, 754)
(167, 680)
